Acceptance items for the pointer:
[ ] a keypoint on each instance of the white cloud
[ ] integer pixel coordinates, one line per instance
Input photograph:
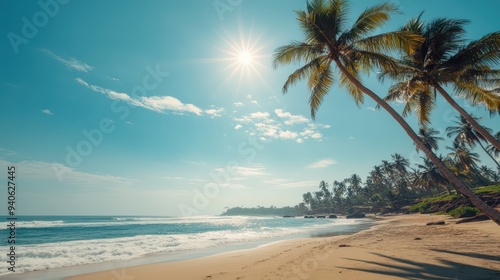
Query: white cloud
(287, 134)
(291, 119)
(259, 115)
(307, 132)
(70, 62)
(160, 104)
(283, 126)
(238, 126)
(239, 104)
(169, 103)
(317, 135)
(254, 102)
(371, 108)
(267, 130)
(47, 111)
(250, 171)
(214, 112)
(322, 163)
(127, 122)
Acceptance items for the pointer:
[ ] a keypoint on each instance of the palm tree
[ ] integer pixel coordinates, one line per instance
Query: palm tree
(488, 173)
(400, 164)
(429, 175)
(328, 42)
(430, 138)
(465, 160)
(441, 60)
(466, 134)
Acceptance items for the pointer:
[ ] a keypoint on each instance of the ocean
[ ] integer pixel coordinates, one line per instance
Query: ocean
(47, 243)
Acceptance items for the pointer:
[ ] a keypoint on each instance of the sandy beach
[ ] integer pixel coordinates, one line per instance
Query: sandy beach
(399, 247)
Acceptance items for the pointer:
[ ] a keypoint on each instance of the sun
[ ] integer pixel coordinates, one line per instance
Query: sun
(245, 58)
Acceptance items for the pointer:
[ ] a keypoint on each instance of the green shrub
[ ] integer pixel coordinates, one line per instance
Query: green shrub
(440, 213)
(464, 211)
(488, 189)
(420, 207)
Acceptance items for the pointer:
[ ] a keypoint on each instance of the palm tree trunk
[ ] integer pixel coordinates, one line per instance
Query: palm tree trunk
(468, 117)
(457, 183)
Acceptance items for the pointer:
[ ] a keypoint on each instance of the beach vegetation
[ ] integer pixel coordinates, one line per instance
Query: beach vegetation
(464, 211)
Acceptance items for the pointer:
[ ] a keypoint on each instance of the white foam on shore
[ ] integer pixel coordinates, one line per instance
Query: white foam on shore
(70, 253)
(234, 220)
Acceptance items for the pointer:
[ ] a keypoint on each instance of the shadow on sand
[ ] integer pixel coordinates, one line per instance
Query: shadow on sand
(443, 269)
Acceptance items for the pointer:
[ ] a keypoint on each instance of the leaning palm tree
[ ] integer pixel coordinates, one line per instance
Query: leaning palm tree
(441, 60)
(466, 134)
(329, 43)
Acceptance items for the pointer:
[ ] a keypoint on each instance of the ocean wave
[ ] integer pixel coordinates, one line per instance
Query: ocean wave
(120, 221)
(53, 255)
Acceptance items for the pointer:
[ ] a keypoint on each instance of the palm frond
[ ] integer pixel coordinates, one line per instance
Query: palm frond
(367, 60)
(443, 37)
(303, 72)
(389, 42)
(354, 91)
(485, 51)
(296, 52)
(477, 95)
(371, 19)
(320, 82)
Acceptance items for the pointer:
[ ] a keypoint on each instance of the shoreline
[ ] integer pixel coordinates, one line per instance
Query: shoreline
(66, 272)
(396, 247)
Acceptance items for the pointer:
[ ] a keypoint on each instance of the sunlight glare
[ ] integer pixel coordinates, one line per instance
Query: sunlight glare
(245, 58)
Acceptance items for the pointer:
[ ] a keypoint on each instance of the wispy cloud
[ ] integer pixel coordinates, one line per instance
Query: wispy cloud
(169, 103)
(7, 152)
(238, 126)
(281, 183)
(322, 163)
(195, 162)
(244, 171)
(239, 104)
(41, 170)
(47, 111)
(70, 62)
(161, 104)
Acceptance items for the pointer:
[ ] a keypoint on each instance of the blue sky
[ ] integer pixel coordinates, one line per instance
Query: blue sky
(147, 107)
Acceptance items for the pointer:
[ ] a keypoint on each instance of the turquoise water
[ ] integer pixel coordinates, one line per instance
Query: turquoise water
(60, 241)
